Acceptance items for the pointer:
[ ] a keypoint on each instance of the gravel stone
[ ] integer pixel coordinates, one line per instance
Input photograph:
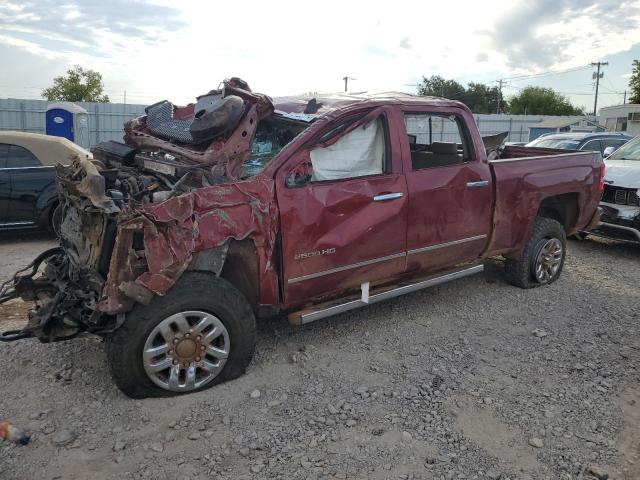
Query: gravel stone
(119, 445)
(536, 442)
(63, 437)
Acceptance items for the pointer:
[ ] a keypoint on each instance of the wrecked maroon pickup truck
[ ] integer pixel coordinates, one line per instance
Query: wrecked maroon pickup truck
(237, 207)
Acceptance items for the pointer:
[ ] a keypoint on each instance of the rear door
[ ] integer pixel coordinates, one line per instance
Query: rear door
(343, 209)
(29, 179)
(612, 142)
(450, 189)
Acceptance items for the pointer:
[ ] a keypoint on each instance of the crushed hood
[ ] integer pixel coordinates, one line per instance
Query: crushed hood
(623, 173)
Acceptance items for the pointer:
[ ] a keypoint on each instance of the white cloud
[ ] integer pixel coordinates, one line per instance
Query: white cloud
(180, 50)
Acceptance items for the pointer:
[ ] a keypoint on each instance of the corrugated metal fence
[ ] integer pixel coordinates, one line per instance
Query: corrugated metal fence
(106, 120)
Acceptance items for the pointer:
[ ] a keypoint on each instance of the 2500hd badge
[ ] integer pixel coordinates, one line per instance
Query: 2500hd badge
(315, 253)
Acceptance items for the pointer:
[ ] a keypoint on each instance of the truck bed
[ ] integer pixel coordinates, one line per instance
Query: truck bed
(526, 179)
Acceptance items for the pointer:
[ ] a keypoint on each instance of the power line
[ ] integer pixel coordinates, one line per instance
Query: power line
(545, 74)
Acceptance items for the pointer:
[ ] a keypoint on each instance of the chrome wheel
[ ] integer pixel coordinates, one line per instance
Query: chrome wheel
(548, 260)
(186, 351)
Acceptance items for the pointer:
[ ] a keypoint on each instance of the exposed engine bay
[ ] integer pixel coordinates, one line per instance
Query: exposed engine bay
(131, 219)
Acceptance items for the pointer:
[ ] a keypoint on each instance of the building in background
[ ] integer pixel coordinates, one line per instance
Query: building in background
(621, 118)
(564, 125)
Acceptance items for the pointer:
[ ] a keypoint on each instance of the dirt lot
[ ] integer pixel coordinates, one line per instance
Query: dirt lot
(471, 380)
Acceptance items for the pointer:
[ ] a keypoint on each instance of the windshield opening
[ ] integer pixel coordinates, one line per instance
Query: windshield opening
(272, 135)
(628, 151)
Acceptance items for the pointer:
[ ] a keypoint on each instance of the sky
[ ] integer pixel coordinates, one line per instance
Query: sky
(162, 49)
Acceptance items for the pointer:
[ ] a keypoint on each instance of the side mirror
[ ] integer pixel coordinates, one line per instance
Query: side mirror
(608, 151)
(299, 176)
(297, 180)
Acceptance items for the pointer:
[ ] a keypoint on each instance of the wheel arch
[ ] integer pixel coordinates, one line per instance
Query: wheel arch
(236, 261)
(563, 208)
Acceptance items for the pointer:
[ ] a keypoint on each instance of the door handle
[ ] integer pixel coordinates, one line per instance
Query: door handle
(383, 197)
(478, 184)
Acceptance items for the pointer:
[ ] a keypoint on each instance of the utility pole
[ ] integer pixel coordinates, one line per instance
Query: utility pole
(624, 100)
(346, 81)
(597, 76)
(499, 95)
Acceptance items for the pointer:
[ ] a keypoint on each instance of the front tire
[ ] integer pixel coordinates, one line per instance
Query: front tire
(201, 333)
(543, 256)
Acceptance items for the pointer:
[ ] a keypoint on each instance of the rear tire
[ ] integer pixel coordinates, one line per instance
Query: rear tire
(196, 298)
(543, 256)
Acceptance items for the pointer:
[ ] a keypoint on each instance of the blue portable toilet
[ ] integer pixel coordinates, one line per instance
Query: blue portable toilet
(68, 120)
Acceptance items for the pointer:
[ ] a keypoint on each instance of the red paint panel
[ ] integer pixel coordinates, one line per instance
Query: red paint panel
(522, 184)
(442, 207)
(206, 218)
(330, 225)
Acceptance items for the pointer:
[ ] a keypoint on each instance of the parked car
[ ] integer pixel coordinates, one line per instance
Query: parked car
(605, 143)
(28, 195)
(621, 197)
(170, 248)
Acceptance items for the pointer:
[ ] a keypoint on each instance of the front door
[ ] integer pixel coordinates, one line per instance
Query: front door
(450, 187)
(343, 210)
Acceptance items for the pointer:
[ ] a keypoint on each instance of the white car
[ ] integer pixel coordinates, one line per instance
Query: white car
(621, 197)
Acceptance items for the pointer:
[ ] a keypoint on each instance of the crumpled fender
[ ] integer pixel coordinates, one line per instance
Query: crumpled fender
(179, 227)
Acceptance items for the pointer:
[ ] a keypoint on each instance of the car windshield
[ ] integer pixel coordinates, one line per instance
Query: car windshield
(563, 143)
(272, 135)
(628, 151)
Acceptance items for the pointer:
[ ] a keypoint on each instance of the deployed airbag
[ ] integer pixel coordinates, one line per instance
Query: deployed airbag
(358, 153)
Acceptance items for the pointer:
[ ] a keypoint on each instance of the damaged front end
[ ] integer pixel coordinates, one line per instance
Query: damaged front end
(134, 218)
(620, 214)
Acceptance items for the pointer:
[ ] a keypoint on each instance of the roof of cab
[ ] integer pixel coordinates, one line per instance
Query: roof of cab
(311, 106)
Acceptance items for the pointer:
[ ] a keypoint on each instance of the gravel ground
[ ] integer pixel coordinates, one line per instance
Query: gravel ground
(471, 380)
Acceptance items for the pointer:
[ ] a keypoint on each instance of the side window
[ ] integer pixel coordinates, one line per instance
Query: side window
(4, 151)
(21, 157)
(612, 143)
(359, 152)
(592, 146)
(436, 140)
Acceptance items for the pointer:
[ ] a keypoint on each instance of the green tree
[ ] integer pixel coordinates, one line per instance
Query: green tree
(634, 83)
(79, 85)
(541, 101)
(481, 98)
(437, 86)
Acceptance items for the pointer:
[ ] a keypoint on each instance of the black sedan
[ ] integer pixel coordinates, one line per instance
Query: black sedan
(28, 194)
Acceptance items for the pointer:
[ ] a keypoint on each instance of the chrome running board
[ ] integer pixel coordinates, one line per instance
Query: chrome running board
(317, 312)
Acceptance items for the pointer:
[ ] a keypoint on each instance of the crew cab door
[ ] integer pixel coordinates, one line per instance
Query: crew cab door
(450, 189)
(343, 209)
